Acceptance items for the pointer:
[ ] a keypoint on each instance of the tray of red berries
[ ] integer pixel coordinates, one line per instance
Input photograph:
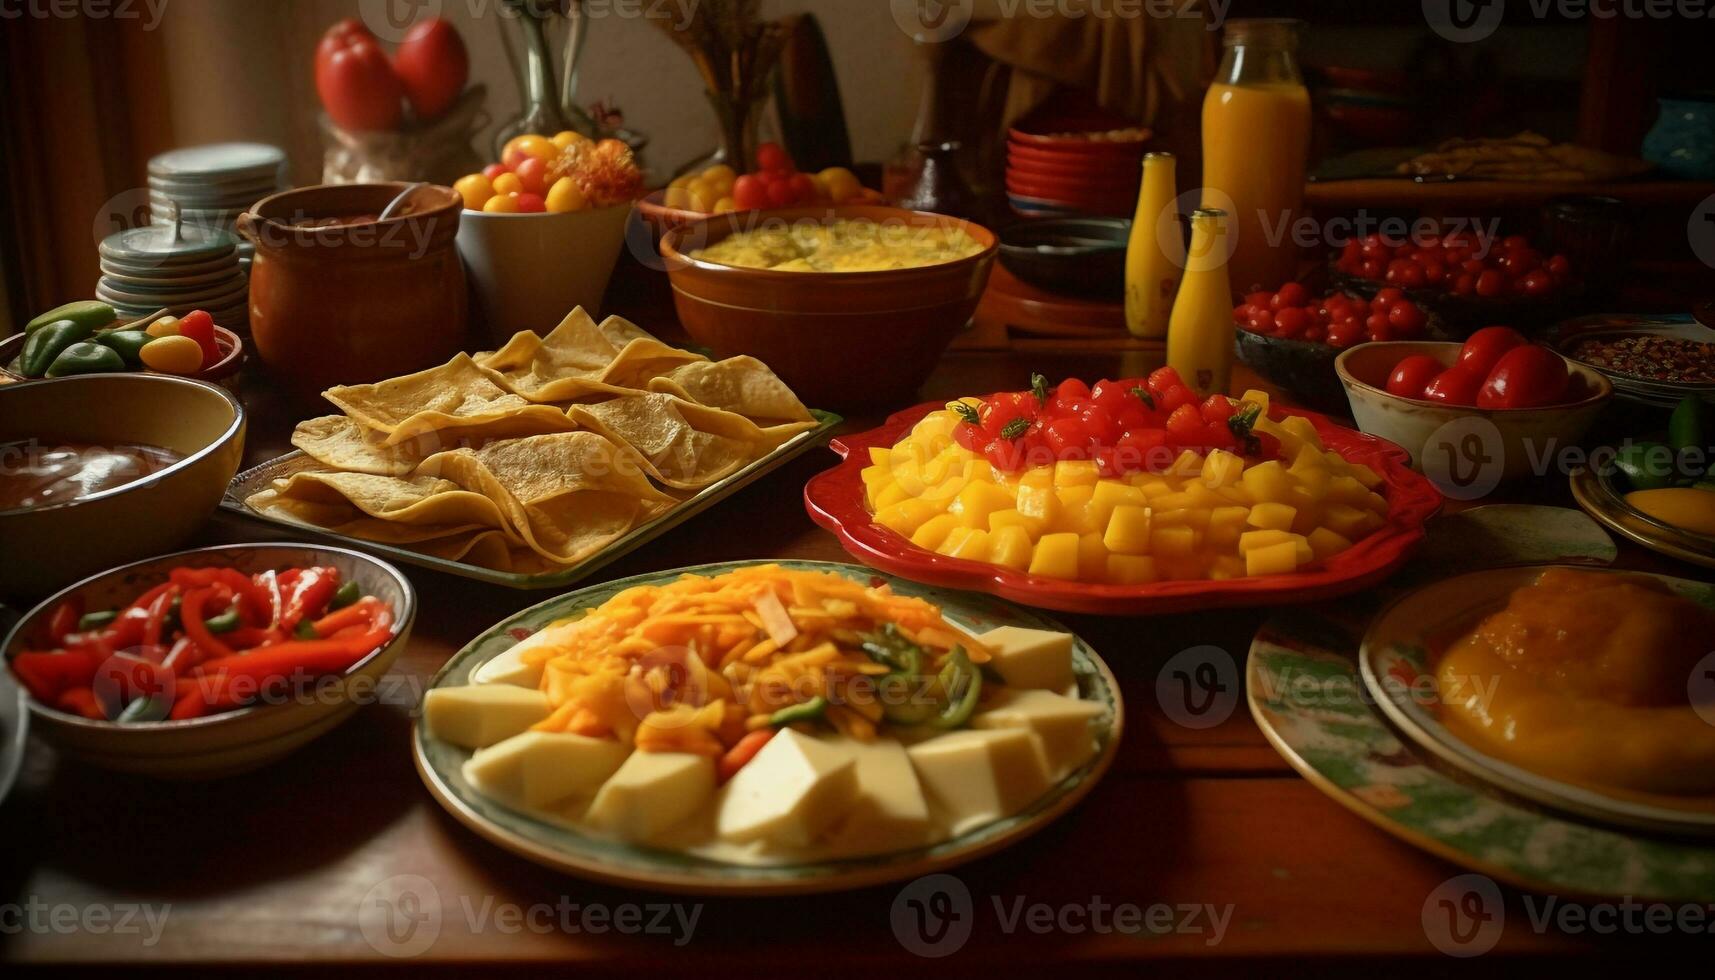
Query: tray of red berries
(1468, 280)
(1291, 336)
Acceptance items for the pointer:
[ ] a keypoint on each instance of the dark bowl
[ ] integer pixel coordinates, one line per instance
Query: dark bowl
(1306, 368)
(1461, 316)
(1080, 256)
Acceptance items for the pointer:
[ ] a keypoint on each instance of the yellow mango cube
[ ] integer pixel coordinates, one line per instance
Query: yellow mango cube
(1189, 462)
(1172, 542)
(1272, 516)
(1155, 487)
(1347, 521)
(1010, 546)
(1055, 556)
(1131, 569)
(934, 531)
(1092, 558)
(1325, 544)
(967, 542)
(1128, 530)
(1267, 482)
(1274, 559)
(1375, 502)
(977, 501)
(1252, 540)
(1256, 397)
(1036, 500)
(1075, 513)
(1009, 517)
(1222, 469)
(879, 455)
(1110, 494)
(1076, 473)
(1225, 525)
(1304, 429)
(906, 516)
(892, 494)
(1347, 490)
(1227, 567)
(1363, 474)
(1195, 518)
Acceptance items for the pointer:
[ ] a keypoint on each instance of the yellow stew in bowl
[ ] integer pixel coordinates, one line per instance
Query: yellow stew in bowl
(844, 245)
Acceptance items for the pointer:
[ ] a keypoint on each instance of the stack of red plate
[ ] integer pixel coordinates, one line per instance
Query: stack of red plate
(1074, 170)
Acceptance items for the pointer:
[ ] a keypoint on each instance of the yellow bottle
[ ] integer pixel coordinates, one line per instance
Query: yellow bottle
(1155, 253)
(1256, 136)
(1200, 332)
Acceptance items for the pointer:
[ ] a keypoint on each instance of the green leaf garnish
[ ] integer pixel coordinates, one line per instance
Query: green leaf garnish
(966, 412)
(1017, 427)
(1039, 388)
(1143, 395)
(1241, 423)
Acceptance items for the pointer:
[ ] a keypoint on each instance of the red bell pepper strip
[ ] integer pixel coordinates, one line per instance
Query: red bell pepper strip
(158, 616)
(81, 701)
(367, 610)
(129, 678)
(191, 618)
(309, 596)
(128, 629)
(255, 604)
(269, 583)
(311, 657)
(46, 675)
(190, 700)
(62, 622)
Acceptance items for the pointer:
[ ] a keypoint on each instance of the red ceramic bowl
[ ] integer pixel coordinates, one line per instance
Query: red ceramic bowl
(1122, 172)
(835, 500)
(1076, 145)
(1034, 184)
(839, 339)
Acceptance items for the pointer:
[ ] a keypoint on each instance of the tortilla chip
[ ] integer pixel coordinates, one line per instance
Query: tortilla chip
(341, 443)
(580, 358)
(741, 384)
(421, 501)
(680, 443)
(456, 395)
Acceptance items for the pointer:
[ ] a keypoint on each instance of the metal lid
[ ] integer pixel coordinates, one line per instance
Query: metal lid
(175, 243)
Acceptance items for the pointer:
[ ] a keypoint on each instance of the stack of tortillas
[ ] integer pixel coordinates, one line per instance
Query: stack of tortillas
(535, 456)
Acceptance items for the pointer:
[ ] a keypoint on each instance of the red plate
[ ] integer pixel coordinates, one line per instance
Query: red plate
(835, 499)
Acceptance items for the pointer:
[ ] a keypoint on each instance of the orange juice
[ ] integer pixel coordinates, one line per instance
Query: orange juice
(1155, 253)
(1256, 136)
(1200, 331)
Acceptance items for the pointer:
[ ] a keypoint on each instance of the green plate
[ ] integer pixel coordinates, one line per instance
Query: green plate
(558, 846)
(261, 477)
(1305, 694)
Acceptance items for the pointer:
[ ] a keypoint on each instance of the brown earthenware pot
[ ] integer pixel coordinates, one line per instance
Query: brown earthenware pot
(841, 340)
(337, 297)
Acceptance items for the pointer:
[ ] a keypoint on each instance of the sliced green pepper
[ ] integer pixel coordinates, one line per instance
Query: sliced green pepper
(226, 622)
(144, 709)
(91, 313)
(129, 344)
(305, 630)
(345, 595)
(86, 357)
(96, 620)
(963, 683)
(44, 346)
(811, 710)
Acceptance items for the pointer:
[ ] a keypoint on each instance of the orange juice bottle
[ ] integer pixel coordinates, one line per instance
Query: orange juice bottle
(1200, 332)
(1155, 253)
(1256, 135)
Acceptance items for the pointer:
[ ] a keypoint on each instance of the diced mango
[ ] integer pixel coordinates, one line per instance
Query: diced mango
(1274, 559)
(934, 531)
(1128, 530)
(1056, 556)
(1252, 540)
(1272, 516)
(1257, 397)
(1010, 546)
(977, 501)
(1304, 429)
(1172, 542)
(967, 542)
(1036, 500)
(1345, 520)
(1227, 567)
(1268, 482)
(906, 516)
(1076, 473)
(879, 455)
(1225, 525)
(1092, 558)
(1195, 518)
(1010, 517)
(1130, 569)
(1189, 462)
(1222, 469)
(1363, 474)
(1325, 544)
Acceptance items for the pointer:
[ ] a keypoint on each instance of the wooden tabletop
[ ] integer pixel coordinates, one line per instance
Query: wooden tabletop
(291, 868)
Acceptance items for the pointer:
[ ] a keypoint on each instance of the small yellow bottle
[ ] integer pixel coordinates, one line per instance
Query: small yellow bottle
(1155, 252)
(1200, 331)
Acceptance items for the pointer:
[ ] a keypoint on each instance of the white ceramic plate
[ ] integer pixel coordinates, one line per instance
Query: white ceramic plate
(226, 160)
(556, 846)
(1395, 647)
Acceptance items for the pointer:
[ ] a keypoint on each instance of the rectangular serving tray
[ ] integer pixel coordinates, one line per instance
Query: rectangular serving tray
(261, 476)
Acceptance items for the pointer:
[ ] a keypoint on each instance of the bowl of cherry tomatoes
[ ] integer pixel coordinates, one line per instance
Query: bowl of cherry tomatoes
(1291, 336)
(1466, 279)
(1495, 400)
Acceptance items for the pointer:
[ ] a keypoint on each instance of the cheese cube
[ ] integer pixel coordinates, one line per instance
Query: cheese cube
(1056, 556)
(796, 788)
(534, 769)
(651, 793)
(508, 667)
(890, 813)
(1128, 530)
(1131, 569)
(1027, 658)
(481, 715)
(1063, 723)
(977, 777)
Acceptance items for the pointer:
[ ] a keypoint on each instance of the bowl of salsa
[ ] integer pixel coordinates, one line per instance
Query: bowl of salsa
(98, 470)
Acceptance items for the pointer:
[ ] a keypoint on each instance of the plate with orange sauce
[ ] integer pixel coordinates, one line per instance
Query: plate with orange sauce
(1588, 691)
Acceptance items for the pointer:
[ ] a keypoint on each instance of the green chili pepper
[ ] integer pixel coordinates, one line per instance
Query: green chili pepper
(811, 710)
(226, 622)
(129, 344)
(44, 346)
(1646, 465)
(347, 594)
(96, 620)
(963, 683)
(144, 709)
(305, 630)
(87, 357)
(88, 312)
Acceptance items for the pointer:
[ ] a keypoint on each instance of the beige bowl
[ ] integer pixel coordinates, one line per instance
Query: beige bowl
(1466, 451)
(236, 741)
(527, 271)
(45, 548)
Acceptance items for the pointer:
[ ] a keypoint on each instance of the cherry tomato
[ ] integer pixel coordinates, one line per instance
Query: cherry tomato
(1216, 408)
(1491, 283)
(1485, 347)
(1291, 294)
(1292, 321)
(533, 174)
(1185, 425)
(1412, 375)
(1406, 319)
(1163, 378)
(1065, 437)
(770, 156)
(1263, 321)
(1536, 282)
(1003, 454)
(1454, 386)
(1531, 376)
(1174, 397)
(1144, 449)
(968, 436)
(494, 170)
(1559, 267)
(1343, 335)
(529, 203)
(749, 192)
(1112, 397)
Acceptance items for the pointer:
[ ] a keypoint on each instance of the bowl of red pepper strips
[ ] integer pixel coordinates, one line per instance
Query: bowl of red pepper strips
(213, 661)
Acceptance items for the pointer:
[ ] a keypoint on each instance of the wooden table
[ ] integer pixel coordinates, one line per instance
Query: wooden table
(279, 869)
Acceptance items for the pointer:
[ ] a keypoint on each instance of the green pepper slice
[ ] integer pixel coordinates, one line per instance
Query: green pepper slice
(811, 710)
(963, 683)
(345, 595)
(96, 620)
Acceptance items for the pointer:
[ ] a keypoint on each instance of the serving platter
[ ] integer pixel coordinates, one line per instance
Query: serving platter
(565, 848)
(1393, 660)
(835, 500)
(262, 476)
(1597, 496)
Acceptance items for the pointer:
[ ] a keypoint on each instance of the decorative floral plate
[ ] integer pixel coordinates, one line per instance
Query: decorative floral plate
(835, 499)
(564, 848)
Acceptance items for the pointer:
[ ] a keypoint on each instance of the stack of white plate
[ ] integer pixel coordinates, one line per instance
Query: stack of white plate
(149, 268)
(213, 184)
